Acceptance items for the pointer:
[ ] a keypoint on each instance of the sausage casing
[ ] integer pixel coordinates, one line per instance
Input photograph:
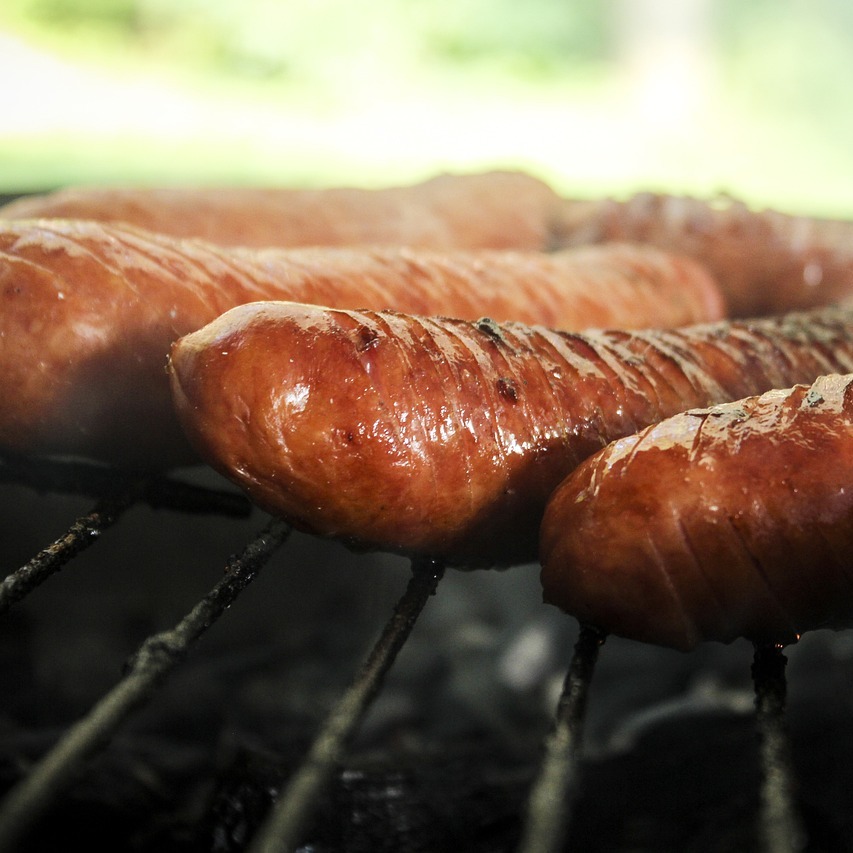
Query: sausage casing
(766, 262)
(88, 311)
(725, 522)
(485, 210)
(443, 437)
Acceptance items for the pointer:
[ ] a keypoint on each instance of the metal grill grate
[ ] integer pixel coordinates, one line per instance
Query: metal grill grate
(548, 812)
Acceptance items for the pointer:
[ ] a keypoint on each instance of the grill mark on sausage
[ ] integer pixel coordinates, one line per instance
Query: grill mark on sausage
(73, 245)
(512, 384)
(388, 398)
(760, 340)
(395, 399)
(586, 410)
(679, 359)
(761, 353)
(483, 368)
(691, 631)
(710, 379)
(443, 366)
(604, 348)
(554, 358)
(770, 512)
(170, 264)
(755, 563)
(620, 395)
(637, 441)
(699, 564)
(696, 445)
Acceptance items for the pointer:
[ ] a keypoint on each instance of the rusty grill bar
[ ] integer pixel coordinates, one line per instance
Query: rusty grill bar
(157, 656)
(294, 808)
(551, 795)
(780, 827)
(116, 492)
(84, 532)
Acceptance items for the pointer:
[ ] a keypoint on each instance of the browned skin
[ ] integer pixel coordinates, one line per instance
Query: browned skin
(486, 210)
(734, 521)
(88, 311)
(766, 262)
(445, 438)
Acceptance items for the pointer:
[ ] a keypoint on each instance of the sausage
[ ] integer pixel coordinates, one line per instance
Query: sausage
(724, 522)
(487, 210)
(766, 262)
(88, 311)
(444, 438)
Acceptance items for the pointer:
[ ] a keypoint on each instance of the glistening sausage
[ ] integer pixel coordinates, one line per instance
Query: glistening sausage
(88, 311)
(486, 210)
(732, 521)
(766, 262)
(443, 437)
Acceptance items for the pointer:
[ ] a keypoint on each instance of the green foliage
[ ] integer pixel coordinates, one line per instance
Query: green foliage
(381, 90)
(267, 37)
(549, 33)
(117, 16)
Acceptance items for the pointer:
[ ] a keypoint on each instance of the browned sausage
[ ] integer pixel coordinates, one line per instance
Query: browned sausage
(445, 438)
(733, 521)
(766, 262)
(88, 311)
(487, 210)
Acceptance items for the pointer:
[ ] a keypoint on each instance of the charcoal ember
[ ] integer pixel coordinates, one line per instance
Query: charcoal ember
(246, 788)
(669, 792)
(466, 800)
(447, 798)
(137, 796)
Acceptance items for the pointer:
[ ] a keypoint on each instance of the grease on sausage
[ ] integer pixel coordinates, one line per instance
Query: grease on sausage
(443, 437)
(88, 311)
(719, 523)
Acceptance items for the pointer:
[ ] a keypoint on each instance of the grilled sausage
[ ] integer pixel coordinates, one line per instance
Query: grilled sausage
(487, 210)
(732, 521)
(766, 262)
(445, 438)
(88, 311)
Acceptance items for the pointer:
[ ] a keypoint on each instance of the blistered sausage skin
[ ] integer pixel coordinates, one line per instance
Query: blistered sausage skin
(719, 523)
(766, 262)
(88, 311)
(485, 210)
(445, 438)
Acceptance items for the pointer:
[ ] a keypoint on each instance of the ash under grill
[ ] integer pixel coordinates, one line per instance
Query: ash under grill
(153, 701)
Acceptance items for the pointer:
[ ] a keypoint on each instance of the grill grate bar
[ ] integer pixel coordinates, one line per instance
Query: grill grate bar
(296, 803)
(780, 828)
(552, 793)
(145, 671)
(101, 481)
(85, 531)
(116, 491)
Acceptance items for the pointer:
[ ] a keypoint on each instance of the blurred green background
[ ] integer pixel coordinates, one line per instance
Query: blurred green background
(595, 96)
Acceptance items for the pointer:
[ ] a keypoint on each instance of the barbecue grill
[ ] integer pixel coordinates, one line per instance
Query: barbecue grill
(199, 677)
(266, 725)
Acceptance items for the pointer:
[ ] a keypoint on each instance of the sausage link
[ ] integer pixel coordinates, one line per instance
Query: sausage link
(719, 523)
(88, 311)
(486, 210)
(766, 262)
(445, 438)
